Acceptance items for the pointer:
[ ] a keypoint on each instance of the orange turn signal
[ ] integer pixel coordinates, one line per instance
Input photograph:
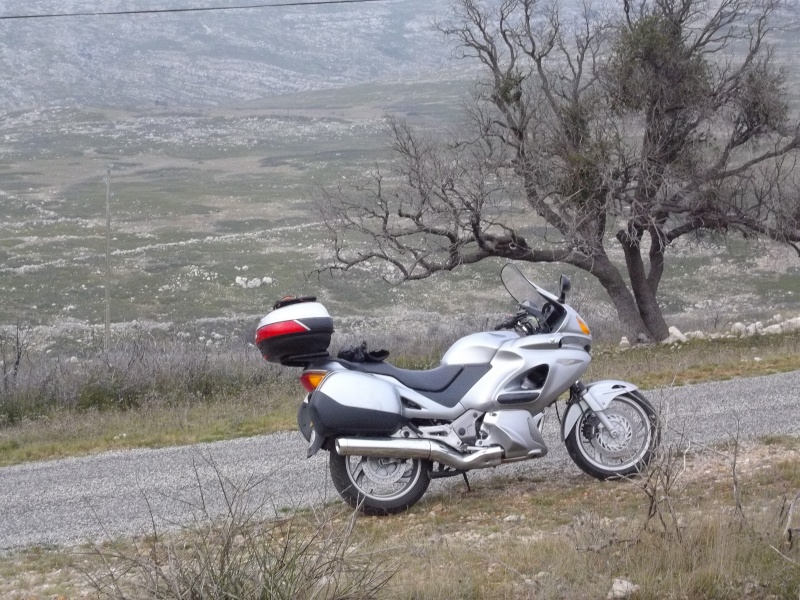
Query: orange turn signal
(584, 327)
(312, 379)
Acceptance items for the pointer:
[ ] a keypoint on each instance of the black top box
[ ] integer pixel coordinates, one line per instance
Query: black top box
(295, 333)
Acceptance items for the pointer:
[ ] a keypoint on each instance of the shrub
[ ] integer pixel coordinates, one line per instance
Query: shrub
(243, 556)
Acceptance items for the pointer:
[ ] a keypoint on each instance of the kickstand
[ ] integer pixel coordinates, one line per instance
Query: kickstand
(464, 474)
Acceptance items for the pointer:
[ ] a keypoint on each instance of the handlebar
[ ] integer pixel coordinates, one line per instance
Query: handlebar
(538, 326)
(533, 311)
(510, 322)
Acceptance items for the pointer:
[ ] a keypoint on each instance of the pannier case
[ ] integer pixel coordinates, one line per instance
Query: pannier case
(349, 403)
(294, 334)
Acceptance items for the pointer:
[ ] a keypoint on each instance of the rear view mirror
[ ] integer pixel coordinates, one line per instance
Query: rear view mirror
(564, 286)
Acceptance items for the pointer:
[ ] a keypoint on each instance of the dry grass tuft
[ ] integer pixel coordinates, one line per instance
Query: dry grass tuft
(509, 538)
(242, 555)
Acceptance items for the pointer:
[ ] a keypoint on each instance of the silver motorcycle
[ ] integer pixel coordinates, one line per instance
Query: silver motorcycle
(389, 431)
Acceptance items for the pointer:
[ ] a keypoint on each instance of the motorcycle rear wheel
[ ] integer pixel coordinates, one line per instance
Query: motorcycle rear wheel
(379, 486)
(625, 451)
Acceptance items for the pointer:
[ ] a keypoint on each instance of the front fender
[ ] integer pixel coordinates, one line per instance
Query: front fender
(599, 395)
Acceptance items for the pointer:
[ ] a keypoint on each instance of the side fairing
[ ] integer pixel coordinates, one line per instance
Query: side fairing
(478, 348)
(528, 373)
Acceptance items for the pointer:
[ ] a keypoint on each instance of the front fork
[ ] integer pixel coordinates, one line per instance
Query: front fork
(595, 398)
(580, 393)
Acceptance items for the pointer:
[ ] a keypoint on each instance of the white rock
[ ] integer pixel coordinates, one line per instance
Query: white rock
(624, 343)
(754, 329)
(254, 283)
(675, 337)
(266, 280)
(621, 588)
(677, 333)
(217, 337)
(514, 518)
(791, 325)
(697, 335)
(772, 330)
(738, 329)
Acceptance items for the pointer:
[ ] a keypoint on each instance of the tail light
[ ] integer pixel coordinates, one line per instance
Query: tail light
(312, 379)
(274, 331)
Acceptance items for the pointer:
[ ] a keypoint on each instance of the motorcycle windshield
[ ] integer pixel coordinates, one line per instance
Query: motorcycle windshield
(518, 286)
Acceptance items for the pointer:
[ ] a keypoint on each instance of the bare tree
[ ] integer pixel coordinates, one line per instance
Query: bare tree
(634, 129)
(14, 346)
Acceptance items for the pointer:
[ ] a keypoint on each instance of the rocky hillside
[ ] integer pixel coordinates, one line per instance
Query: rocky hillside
(194, 59)
(208, 58)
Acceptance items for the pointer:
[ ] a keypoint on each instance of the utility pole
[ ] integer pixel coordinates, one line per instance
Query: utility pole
(107, 330)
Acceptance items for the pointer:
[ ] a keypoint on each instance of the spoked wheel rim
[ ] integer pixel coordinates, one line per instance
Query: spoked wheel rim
(383, 478)
(625, 445)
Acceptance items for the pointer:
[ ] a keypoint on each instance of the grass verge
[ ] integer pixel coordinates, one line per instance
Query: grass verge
(64, 433)
(271, 405)
(698, 361)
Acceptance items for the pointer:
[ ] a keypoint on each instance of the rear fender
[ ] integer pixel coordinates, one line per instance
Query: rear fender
(304, 419)
(599, 395)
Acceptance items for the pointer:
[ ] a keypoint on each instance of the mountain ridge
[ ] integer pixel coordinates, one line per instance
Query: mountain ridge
(225, 58)
(211, 58)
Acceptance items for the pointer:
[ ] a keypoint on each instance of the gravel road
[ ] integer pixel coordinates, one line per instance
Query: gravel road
(84, 499)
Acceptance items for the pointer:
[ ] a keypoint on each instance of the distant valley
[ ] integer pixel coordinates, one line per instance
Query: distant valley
(219, 129)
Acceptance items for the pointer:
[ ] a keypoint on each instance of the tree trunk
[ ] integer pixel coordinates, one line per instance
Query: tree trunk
(629, 315)
(651, 313)
(646, 301)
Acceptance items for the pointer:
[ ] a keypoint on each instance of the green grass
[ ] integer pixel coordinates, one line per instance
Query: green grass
(62, 433)
(214, 179)
(699, 361)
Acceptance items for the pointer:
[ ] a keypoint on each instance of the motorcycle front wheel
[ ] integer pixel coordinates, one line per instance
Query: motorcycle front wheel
(625, 450)
(379, 486)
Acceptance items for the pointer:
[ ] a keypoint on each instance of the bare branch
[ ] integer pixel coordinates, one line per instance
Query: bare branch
(646, 122)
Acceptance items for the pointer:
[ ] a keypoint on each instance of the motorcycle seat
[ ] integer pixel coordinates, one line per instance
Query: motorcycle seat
(445, 385)
(431, 380)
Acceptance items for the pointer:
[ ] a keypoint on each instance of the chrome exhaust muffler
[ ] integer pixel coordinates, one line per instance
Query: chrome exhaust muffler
(417, 448)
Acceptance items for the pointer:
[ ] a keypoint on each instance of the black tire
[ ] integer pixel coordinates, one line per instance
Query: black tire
(379, 486)
(604, 456)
